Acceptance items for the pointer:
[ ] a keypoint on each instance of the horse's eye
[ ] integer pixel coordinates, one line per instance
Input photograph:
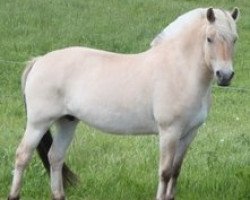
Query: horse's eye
(209, 40)
(234, 41)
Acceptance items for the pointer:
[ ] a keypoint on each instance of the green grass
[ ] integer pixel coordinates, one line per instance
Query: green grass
(123, 168)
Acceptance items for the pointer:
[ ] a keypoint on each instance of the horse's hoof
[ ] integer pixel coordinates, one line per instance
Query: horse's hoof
(61, 198)
(13, 198)
(166, 198)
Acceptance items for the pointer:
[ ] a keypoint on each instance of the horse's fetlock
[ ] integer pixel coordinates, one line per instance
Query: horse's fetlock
(58, 197)
(170, 198)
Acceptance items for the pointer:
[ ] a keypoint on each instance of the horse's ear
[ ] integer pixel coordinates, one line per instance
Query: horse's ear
(210, 15)
(235, 13)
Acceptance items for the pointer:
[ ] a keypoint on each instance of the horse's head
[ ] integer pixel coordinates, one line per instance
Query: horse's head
(221, 36)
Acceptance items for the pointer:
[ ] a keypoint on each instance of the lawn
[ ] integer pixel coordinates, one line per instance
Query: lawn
(112, 167)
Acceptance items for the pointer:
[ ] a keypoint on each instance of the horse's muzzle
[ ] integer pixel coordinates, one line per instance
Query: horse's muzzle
(224, 77)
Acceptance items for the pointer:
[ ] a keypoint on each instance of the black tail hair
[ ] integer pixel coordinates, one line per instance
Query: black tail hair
(69, 178)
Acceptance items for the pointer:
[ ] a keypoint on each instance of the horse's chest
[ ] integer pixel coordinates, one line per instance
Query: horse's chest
(199, 115)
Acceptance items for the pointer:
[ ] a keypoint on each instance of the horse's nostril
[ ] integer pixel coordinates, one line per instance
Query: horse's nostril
(218, 74)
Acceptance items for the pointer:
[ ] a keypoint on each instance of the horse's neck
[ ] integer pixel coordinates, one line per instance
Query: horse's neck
(187, 48)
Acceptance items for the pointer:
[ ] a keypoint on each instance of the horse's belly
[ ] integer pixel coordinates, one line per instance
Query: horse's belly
(120, 122)
(113, 105)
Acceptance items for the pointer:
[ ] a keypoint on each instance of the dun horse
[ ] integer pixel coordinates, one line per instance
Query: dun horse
(165, 90)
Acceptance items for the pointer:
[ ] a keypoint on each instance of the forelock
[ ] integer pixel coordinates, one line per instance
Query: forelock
(225, 24)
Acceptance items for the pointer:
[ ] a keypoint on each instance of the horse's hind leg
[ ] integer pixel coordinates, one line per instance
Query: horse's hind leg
(30, 140)
(61, 141)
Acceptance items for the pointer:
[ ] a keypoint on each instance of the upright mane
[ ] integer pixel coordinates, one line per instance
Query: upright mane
(178, 25)
(223, 18)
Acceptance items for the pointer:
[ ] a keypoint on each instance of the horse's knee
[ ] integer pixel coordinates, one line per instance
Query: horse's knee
(55, 160)
(22, 156)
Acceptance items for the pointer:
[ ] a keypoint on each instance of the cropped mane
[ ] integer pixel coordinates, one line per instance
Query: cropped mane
(178, 25)
(190, 17)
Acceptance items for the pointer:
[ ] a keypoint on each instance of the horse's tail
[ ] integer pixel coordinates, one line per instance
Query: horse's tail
(69, 178)
(26, 72)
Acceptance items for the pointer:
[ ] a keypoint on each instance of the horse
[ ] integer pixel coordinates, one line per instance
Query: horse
(165, 90)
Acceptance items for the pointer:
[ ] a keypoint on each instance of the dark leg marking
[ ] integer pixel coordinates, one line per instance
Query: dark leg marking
(166, 175)
(62, 198)
(70, 117)
(177, 170)
(13, 198)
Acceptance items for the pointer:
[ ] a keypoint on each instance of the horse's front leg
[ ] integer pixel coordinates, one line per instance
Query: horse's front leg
(169, 138)
(181, 150)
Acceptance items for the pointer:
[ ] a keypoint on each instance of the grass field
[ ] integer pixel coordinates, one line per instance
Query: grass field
(217, 166)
